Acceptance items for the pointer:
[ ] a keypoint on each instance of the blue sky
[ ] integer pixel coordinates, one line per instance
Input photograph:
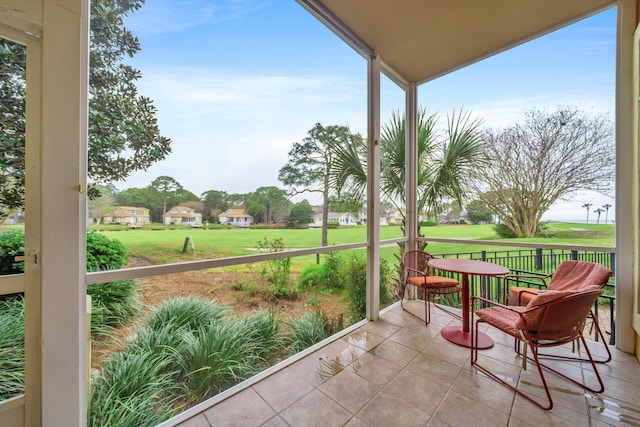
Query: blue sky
(237, 82)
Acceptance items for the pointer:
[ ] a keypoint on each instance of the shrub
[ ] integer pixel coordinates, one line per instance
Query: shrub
(277, 271)
(104, 253)
(313, 275)
(185, 313)
(503, 231)
(355, 274)
(11, 245)
(429, 223)
(333, 266)
(309, 329)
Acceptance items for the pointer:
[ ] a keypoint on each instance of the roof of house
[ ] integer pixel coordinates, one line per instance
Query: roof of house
(181, 211)
(235, 213)
(119, 211)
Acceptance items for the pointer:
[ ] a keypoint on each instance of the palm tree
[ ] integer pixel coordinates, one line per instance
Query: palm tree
(587, 205)
(606, 214)
(445, 164)
(599, 212)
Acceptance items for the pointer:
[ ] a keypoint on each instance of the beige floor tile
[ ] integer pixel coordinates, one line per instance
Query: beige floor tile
(363, 339)
(391, 410)
(418, 391)
(459, 410)
(559, 416)
(316, 409)
(283, 388)
(613, 412)
(484, 390)
(276, 421)
(245, 409)
(394, 352)
(382, 328)
(350, 390)
(375, 369)
(434, 368)
(197, 421)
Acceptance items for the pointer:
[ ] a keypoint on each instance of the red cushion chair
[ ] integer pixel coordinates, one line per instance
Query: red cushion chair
(570, 275)
(550, 319)
(420, 275)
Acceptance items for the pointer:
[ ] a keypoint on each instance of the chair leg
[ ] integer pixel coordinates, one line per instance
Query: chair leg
(474, 362)
(409, 311)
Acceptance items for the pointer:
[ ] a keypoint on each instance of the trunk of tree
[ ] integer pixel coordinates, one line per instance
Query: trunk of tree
(325, 215)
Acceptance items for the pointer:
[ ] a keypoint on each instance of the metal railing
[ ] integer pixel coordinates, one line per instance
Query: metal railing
(536, 262)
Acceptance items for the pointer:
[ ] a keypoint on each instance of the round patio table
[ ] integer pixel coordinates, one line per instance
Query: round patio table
(461, 335)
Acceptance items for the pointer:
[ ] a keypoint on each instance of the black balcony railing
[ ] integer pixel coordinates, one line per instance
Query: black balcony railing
(537, 262)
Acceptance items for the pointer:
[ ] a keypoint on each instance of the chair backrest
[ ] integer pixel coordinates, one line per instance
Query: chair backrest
(559, 315)
(576, 275)
(415, 262)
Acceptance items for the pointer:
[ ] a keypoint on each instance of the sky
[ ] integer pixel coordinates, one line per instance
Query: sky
(237, 82)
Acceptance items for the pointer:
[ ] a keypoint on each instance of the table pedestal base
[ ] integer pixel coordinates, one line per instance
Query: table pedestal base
(457, 335)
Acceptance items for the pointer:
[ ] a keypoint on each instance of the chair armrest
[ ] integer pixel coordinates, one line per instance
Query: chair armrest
(543, 279)
(488, 301)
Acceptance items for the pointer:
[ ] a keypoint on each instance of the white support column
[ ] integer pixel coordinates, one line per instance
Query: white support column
(65, 57)
(411, 165)
(627, 263)
(373, 188)
(411, 172)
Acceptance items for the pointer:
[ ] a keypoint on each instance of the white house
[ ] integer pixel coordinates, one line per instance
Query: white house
(362, 217)
(236, 217)
(183, 215)
(343, 219)
(127, 215)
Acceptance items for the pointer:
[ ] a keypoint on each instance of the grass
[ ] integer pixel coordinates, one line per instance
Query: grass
(165, 246)
(11, 347)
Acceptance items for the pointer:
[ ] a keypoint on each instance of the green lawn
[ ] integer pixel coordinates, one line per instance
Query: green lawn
(162, 246)
(165, 246)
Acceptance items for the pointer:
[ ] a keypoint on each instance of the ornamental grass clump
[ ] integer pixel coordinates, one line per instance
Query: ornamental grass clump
(11, 347)
(307, 330)
(195, 351)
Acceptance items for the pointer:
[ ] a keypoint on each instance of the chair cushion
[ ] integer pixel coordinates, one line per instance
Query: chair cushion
(534, 317)
(578, 275)
(516, 295)
(433, 282)
(501, 318)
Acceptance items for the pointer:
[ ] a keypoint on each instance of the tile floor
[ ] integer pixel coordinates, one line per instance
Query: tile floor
(397, 372)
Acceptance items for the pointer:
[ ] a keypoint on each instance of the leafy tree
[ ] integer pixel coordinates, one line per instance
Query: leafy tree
(352, 203)
(267, 204)
(165, 184)
(12, 124)
(311, 162)
(301, 213)
(156, 197)
(215, 203)
(546, 158)
(123, 130)
(99, 205)
(478, 212)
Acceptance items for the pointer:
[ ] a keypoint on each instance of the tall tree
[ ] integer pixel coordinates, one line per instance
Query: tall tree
(215, 203)
(268, 204)
(606, 214)
(546, 158)
(165, 184)
(123, 130)
(588, 206)
(311, 162)
(599, 212)
(478, 212)
(301, 213)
